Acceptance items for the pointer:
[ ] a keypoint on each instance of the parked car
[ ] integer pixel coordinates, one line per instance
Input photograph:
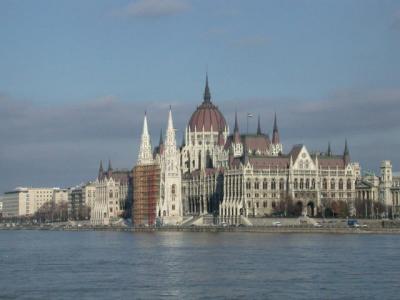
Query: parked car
(353, 223)
(276, 224)
(317, 225)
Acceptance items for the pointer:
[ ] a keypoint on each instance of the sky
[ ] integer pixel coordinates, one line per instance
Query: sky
(77, 76)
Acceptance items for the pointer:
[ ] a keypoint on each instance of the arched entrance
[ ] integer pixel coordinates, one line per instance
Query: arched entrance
(298, 209)
(310, 209)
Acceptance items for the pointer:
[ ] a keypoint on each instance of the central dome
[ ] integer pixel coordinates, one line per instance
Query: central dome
(207, 115)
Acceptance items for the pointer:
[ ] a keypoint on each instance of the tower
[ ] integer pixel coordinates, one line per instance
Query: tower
(145, 154)
(277, 147)
(170, 204)
(386, 182)
(237, 145)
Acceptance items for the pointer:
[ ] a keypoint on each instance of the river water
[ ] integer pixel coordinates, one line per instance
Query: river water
(178, 265)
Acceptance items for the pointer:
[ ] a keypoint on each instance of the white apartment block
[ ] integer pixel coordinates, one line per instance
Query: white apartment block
(25, 201)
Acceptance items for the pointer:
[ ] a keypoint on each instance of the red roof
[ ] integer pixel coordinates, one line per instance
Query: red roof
(207, 115)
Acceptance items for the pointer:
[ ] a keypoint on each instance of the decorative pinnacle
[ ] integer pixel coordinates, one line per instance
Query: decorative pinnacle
(207, 94)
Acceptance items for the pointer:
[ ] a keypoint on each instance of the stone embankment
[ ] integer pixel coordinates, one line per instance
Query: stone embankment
(389, 229)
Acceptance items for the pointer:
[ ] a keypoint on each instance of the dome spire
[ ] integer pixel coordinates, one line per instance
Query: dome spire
(207, 94)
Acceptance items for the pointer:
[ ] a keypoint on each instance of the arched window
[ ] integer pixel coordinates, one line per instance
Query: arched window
(313, 183)
(265, 184)
(273, 204)
(307, 183)
(256, 185)
(325, 184)
(110, 194)
(332, 184)
(173, 189)
(348, 184)
(248, 184)
(209, 162)
(296, 183)
(281, 184)
(301, 183)
(340, 184)
(273, 184)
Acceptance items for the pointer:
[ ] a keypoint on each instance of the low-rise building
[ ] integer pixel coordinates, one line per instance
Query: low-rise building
(80, 201)
(26, 201)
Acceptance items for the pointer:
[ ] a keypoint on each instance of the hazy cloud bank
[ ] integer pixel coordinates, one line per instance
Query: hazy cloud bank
(153, 8)
(62, 144)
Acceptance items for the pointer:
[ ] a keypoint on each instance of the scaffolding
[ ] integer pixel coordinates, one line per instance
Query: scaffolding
(146, 191)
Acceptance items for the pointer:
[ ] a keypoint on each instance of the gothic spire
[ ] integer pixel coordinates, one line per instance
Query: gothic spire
(346, 148)
(145, 156)
(258, 126)
(236, 134)
(101, 170)
(275, 133)
(170, 141)
(207, 94)
(329, 152)
(236, 129)
(346, 153)
(109, 165)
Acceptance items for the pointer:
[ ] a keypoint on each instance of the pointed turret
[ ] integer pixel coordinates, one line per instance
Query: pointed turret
(329, 152)
(236, 134)
(346, 153)
(145, 156)
(207, 94)
(170, 140)
(275, 133)
(259, 126)
(101, 171)
(109, 169)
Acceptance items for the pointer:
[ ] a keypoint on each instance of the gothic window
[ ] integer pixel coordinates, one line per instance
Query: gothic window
(301, 164)
(248, 204)
(281, 184)
(307, 183)
(324, 184)
(340, 184)
(332, 184)
(301, 184)
(273, 204)
(164, 213)
(265, 204)
(265, 184)
(209, 162)
(256, 204)
(313, 183)
(110, 194)
(173, 189)
(173, 206)
(306, 164)
(256, 185)
(273, 184)
(248, 185)
(296, 183)
(348, 184)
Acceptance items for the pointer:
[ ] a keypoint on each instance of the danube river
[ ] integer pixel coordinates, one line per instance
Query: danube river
(183, 265)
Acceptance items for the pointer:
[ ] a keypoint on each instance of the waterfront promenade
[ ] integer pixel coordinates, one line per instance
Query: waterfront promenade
(372, 226)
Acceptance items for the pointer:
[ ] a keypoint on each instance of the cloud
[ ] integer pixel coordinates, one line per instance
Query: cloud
(153, 8)
(396, 20)
(250, 42)
(61, 145)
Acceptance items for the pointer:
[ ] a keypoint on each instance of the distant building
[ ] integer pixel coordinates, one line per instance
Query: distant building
(25, 201)
(384, 189)
(80, 201)
(113, 195)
